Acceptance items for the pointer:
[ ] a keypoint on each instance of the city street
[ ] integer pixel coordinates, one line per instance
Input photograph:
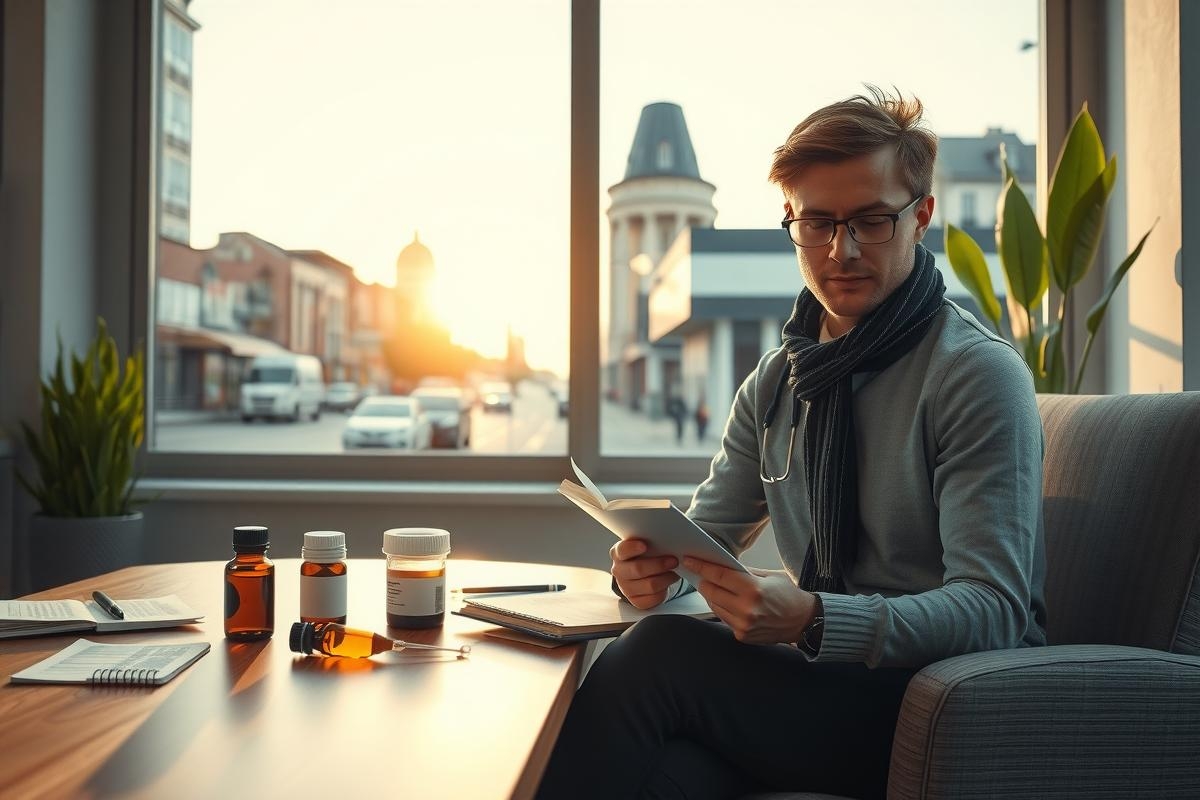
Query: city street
(533, 427)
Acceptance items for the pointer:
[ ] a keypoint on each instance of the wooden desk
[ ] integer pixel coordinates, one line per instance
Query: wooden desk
(257, 721)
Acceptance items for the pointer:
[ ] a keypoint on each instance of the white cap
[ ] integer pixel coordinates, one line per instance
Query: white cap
(324, 546)
(416, 542)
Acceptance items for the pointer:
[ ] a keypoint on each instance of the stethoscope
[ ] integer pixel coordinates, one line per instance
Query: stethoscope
(768, 418)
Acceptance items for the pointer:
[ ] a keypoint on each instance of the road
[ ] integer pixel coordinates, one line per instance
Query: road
(533, 427)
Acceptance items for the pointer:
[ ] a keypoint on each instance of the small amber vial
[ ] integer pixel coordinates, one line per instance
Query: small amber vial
(323, 577)
(416, 576)
(250, 586)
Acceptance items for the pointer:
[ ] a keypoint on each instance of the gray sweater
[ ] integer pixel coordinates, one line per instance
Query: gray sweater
(951, 553)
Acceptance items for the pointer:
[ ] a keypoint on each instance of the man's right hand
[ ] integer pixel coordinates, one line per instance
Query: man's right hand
(642, 579)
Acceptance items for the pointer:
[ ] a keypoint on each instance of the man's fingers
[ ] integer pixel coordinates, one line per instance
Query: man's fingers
(722, 576)
(627, 549)
(636, 568)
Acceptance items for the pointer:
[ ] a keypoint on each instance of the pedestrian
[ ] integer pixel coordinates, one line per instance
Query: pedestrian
(894, 445)
(701, 419)
(677, 410)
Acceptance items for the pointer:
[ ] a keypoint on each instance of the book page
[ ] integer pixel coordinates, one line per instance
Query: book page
(598, 499)
(83, 659)
(169, 608)
(587, 484)
(42, 611)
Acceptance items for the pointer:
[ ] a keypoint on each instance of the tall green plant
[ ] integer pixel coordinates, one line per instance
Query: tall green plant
(1079, 194)
(91, 428)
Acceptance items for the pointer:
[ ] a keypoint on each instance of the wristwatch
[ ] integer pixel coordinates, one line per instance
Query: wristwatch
(810, 637)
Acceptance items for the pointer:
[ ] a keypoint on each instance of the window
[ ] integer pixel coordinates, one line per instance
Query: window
(687, 132)
(397, 208)
(683, 308)
(968, 209)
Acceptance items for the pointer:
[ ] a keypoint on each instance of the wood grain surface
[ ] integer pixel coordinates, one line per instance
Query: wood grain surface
(257, 721)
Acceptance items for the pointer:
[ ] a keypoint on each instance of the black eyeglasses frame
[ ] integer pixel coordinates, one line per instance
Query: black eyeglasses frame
(894, 216)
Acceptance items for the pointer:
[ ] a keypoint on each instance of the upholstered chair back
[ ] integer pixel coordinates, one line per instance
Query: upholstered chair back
(1122, 511)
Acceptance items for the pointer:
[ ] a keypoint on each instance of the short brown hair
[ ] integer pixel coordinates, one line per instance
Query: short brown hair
(858, 126)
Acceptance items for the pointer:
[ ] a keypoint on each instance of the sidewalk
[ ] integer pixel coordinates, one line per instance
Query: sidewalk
(624, 431)
(192, 417)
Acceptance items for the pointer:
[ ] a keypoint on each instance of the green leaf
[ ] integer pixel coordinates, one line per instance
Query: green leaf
(1053, 362)
(1080, 161)
(969, 264)
(1081, 237)
(1096, 315)
(1021, 246)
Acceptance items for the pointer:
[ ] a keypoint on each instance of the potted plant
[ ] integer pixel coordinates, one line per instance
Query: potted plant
(92, 422)
(1074, 221)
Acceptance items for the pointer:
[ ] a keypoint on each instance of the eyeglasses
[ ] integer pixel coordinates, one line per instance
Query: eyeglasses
(864, 229)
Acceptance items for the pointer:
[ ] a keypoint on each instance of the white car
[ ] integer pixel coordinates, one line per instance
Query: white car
(449, 414)
(342, 396)
(496, 396)
(286, 386)
(388, 421)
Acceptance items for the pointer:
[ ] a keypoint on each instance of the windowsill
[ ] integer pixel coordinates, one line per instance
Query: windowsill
(436, 493)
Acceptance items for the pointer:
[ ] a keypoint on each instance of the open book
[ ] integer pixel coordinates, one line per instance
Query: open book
(665, 528)
(572, 616)
(34, 617)
(113, 664)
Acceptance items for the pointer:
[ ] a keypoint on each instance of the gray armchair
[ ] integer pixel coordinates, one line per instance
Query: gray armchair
(1111, 708)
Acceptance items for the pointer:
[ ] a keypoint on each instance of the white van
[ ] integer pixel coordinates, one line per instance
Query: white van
(286, 386)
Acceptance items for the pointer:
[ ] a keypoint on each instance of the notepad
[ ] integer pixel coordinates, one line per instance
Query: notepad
(114, 664)
(665, 529)
(575, 615)
(34, 617)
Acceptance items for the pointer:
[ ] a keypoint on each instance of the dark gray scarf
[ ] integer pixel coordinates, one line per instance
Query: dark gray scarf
(820, 375)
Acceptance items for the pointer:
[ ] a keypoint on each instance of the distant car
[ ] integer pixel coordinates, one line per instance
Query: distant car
(388, 421)
(287, 386)
(342, 396)
(564, 405)
(496, 396)
(449, 413)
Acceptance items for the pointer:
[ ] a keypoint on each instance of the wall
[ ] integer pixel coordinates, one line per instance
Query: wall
(1145, 328)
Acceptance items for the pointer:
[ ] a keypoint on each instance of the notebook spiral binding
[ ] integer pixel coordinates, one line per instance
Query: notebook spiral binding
(517, 614)
(124, 677)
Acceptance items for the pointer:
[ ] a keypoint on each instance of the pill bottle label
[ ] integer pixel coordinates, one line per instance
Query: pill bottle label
(416, 597)
(323, 598)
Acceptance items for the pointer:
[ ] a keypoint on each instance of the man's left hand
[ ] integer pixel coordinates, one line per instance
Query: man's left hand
(762, 608)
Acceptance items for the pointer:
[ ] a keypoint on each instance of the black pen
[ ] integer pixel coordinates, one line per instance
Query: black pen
(106, 602)
(537, 587)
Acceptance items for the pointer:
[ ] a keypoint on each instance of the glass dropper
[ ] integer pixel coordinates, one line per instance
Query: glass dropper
(333, 639)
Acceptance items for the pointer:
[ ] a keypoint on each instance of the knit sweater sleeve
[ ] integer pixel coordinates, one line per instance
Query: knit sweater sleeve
(986, 479)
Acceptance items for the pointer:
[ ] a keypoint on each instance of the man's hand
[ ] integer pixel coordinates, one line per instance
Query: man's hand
(762, 608)
(643, 580)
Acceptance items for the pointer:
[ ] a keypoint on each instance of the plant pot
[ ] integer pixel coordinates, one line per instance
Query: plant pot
(66, 549)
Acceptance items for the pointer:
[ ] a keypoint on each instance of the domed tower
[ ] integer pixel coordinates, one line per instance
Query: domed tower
(662, 193)
(414, 282)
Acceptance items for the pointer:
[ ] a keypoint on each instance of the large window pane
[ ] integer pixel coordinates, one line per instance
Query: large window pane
(697, 278)
(363, 207)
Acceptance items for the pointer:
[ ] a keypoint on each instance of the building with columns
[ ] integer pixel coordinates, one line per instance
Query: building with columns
(661, 194)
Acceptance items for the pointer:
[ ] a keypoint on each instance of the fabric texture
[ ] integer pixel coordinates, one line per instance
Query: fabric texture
(1076, 721)
(819, 374)
(678, 708)
(948, 452)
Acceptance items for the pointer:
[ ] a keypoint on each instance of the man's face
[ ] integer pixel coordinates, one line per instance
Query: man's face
(850, 279)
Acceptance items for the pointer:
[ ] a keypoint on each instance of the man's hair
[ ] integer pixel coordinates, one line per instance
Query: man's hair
(858, 126)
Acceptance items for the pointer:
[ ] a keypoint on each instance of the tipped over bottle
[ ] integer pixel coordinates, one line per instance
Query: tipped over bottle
(333, 639)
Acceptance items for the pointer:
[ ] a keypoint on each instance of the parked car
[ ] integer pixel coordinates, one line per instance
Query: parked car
(388, 421)
(564, 405)
(287, 386)
(497, 396)
(342, 396)
(449, 414)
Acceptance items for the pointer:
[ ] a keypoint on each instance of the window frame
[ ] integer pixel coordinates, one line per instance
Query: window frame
(583, 422)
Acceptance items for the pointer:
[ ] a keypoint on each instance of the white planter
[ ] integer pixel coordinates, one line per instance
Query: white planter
(67, 549)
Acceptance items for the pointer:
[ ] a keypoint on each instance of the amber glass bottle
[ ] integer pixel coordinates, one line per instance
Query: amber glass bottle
(323, 577)
(250, 586)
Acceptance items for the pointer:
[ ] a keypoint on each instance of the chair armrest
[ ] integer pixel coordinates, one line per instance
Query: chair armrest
(1080, 721)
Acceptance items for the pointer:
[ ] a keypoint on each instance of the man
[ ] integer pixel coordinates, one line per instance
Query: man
(895, 446)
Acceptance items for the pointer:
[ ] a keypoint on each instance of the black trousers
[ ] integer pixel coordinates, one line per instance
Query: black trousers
(678, 708)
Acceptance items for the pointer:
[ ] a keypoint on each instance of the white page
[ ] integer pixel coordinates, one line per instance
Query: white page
(148, 609)
(572, 609)
(42, 610)
(587, 484)
(82, 659)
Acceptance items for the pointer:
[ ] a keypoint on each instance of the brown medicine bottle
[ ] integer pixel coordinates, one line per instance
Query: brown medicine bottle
(323, 577)
(416, 576)
(250, 586)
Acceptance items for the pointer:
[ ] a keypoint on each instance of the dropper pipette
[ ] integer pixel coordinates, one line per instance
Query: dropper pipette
(333, 639)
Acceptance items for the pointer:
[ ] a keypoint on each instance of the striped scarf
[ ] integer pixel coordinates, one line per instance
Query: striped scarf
(820, 375)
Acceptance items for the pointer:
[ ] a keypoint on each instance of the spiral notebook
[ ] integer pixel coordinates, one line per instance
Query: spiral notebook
(114, 664)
